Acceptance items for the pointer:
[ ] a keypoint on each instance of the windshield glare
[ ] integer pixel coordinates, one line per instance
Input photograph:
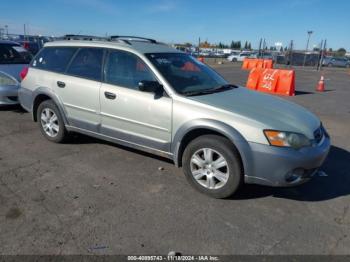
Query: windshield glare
(14, 54)
(186, 74)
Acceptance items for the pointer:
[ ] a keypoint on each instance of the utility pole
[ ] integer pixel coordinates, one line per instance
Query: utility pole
(323, 50)
(309, 33)
(291, 54)
(260, 47)
(24, 31)
(263, 49)
(199, 44)
(320, 56)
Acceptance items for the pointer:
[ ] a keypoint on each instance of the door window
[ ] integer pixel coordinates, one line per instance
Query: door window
(126, 70)
(87, 64)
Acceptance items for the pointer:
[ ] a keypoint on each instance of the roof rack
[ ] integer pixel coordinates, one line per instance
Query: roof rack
(84, 37)
(121, 38)
(129, 38)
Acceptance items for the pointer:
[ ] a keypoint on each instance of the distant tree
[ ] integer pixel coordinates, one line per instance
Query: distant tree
(281, 49)
(234, 45)
(341, 52)
(188, 44)
(330, 50)
(205, 44)
(246, 45)
(285, 49)
(222, 45)
(249, 46)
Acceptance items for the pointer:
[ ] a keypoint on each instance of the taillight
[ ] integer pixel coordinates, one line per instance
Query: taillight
(24, 72)
(26, 45)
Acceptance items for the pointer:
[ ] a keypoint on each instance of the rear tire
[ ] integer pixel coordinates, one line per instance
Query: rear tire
(50, 122)
(212, 166)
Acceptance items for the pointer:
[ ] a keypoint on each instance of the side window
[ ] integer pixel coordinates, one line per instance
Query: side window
(87, 64)
(126, 70)
(54, 58)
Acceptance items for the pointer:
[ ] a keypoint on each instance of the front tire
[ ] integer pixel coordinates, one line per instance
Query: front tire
(51, 122)
(212, 165)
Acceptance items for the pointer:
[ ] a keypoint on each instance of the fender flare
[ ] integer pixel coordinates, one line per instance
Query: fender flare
(226, 130)
(54, 98)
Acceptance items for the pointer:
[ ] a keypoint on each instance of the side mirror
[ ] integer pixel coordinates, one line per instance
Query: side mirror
(149, 86)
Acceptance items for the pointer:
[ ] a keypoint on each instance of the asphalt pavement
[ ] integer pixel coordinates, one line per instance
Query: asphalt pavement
(93, 197)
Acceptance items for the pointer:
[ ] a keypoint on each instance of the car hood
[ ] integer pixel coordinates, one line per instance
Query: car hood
(13, 70)
(272, 112)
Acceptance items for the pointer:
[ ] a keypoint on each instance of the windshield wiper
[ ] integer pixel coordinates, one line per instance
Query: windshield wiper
(210, 91)
(224, 87)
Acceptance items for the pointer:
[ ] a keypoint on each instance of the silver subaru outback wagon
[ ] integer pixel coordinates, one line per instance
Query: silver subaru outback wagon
(146, 95)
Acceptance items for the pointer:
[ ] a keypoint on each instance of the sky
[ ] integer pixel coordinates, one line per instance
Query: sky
(178, 21)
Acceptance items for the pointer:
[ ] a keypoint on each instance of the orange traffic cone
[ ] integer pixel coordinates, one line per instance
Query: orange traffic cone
(320, 86)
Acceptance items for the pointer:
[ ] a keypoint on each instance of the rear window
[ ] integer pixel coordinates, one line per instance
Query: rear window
(14, 54)
(54, 59)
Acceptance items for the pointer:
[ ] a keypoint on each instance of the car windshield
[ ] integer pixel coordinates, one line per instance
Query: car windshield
(14, 54)
(187, 75)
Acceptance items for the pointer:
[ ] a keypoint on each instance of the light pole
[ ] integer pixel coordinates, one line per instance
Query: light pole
(309, 33)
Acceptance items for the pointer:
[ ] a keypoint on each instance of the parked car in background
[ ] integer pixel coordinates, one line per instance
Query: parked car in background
(146, 95)
(336, 62)
(267, 56)
(297, 59)
(13, 59)
(33, 43)
(219, 54)
(32, 47)
(240, 57)
(205, 53)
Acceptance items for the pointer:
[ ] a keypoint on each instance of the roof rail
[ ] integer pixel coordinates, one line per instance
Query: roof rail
(84, 37)
(130, 38)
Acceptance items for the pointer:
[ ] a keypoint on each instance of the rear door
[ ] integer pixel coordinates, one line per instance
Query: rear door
(79, 88)
(129, 114)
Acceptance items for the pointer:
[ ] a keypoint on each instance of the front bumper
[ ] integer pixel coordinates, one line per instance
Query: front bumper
(273, 166)
(8, 95)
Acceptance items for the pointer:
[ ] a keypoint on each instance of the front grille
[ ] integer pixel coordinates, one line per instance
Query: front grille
(318, 134)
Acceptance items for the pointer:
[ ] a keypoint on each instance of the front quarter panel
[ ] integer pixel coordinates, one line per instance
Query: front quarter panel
(188, 116)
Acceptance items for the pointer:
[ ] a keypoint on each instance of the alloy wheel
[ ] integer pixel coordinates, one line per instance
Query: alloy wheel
(49, 122)
(209, 168)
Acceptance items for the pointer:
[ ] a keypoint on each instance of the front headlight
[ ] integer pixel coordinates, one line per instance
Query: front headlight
(287, 139)
(6, 80)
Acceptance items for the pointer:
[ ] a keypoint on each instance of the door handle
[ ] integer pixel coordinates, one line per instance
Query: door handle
(109, 95)
(61, 84)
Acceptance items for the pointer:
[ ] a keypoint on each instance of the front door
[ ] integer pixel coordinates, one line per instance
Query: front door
(128, 114)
